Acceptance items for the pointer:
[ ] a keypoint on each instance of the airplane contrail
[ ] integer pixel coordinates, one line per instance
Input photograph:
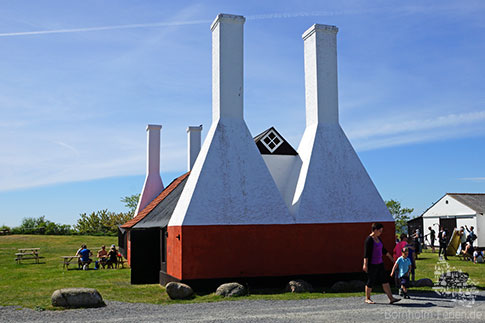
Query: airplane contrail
(130, 26)
(180, 23)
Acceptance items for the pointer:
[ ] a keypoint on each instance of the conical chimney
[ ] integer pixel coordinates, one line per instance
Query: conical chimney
(153, 182)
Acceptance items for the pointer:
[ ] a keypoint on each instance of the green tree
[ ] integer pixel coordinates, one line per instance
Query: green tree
(400, 215)
(101, 222)
(131, 203)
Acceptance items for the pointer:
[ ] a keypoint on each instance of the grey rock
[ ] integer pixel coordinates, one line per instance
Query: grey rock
(178, 290)
(299, 286)
(356, 285)
(231, 290)
(77, 297)
(340, 287)
(424, 282)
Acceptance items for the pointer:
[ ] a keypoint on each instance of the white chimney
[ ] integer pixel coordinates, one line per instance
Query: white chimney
(227, 67)
(321, 88)
(193, 145)
(153, 182)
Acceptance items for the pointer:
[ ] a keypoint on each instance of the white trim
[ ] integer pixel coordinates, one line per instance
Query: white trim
(272, 140)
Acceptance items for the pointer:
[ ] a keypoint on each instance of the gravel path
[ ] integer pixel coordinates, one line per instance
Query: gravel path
(425, 307)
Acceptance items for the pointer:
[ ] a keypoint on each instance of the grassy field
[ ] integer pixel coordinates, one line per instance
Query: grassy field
(31, 285)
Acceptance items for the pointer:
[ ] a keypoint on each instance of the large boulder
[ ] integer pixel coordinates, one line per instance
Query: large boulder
(340, 287)
(77, 297)
(231, 290)
(356, 285)
(424, 282)
(299, 286)
(178, 290)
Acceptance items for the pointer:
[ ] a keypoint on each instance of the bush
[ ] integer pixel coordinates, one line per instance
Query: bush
(41, 226)
(101, 222)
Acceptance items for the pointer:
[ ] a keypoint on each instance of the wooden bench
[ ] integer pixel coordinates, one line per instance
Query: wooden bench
(27, 253)
(67, 260)
(120, 261)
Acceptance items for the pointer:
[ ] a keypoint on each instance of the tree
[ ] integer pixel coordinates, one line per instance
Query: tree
(131, 202)
(101, 222)
(400, 215)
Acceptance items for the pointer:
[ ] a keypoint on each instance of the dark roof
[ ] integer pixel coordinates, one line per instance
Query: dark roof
(475, 201)
(268, 139)
(158, 212)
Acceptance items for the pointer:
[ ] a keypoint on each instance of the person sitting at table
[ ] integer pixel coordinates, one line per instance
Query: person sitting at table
(468, 252)
(102, 254)
(85, 253)
(112, 256)
(78, 253)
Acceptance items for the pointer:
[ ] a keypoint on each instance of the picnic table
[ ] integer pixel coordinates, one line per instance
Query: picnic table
(67, 260)
(27, 253)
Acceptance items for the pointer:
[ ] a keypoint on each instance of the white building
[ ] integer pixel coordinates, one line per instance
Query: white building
(454, 210)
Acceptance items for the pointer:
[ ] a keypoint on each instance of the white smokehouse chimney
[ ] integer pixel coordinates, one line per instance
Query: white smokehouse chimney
(153, 182)
(193, 145)
(321, 88)
(227, 67)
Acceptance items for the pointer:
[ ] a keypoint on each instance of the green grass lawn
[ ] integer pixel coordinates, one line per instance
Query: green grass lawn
(31, 285)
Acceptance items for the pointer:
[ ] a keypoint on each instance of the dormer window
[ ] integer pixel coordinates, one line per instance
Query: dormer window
(272, 141)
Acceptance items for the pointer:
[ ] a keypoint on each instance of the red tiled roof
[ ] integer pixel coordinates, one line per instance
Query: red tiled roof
(155, 202)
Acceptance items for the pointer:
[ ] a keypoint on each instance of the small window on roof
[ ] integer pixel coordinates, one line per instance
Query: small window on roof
(272, 141)
(446, 201)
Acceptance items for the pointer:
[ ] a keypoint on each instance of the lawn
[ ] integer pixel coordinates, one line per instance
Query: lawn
(31, 285)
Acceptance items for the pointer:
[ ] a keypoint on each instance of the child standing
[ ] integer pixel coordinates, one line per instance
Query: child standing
(403, 265)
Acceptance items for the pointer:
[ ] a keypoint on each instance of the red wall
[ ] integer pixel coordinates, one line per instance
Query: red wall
(204, 252)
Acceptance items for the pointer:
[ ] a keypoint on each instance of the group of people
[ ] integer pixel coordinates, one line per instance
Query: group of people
(104, 257)
(466, 248)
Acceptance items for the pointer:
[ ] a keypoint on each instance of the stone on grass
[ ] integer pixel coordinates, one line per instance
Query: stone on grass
(356, 285)
(299, 286)
(340, 287)
(424, 282)
(77, 297)
(231, 290)
(178, 290)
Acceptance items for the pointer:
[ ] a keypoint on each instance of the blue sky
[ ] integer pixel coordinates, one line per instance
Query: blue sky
(80, 81)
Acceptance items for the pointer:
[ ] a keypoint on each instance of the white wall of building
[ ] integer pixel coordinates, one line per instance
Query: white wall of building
(281, 168)
(480, 229)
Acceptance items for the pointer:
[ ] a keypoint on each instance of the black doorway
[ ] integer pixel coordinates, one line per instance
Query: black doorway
(449, 224)
(145, 256)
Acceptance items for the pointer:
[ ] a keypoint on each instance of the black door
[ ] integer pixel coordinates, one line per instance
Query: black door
(163, 249)
(449, 224)
(145, 256)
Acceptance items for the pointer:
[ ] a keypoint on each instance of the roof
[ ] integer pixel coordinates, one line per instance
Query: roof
(158, 211)
(270, 142)
(475, 201)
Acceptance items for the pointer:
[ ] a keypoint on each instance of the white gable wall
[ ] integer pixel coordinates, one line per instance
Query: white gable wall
(446, 206)
(281, 168)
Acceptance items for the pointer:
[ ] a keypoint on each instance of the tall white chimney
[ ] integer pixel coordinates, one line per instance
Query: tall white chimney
(153, 182)
(193, 145)
(225, 183)
(321, 84)
(227, 67)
